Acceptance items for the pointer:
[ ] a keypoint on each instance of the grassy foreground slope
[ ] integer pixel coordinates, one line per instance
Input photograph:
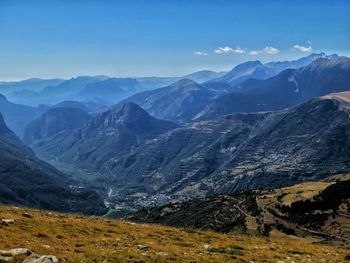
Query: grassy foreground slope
(74, 238)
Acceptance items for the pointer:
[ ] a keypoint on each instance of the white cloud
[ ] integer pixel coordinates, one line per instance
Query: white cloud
(238, 50)
(303, 49)
(254, 52)
(271, 50)
(200, 53)
(268, 50)
(224, 50)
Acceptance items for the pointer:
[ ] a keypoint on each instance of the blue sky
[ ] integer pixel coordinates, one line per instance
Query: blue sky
(42, 38)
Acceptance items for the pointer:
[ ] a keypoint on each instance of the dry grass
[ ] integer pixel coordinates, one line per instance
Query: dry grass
(336, 224)
(74, 238)
(344, 96)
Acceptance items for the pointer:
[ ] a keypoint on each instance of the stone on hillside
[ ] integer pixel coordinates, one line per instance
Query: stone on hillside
(5, 259)
(142, 247)
(10, 256)
(15, 252)
(7, 221)
(41, 259)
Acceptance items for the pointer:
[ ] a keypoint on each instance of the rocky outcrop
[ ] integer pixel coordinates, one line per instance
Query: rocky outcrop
(15, 254)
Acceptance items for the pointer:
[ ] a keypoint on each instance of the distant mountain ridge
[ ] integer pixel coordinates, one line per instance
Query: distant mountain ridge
(57, 93)
(88, 88)
(258, 70)
(288, 88)
(178, 102)
(112, 90)
(33, 84)
(17, 116)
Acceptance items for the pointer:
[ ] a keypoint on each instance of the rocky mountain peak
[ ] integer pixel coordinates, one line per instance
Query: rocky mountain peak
(129, 116)
(127, 111)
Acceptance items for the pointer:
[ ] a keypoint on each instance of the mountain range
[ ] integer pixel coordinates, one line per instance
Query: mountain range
(186, 140)
(89, 88)
(235, 152)
(258, 70)
(108, 135)
(288, 88)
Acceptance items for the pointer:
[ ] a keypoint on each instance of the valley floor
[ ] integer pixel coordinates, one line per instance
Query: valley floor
(74, 238)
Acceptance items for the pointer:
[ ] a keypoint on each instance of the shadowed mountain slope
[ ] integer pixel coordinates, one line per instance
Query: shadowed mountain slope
(26, 180)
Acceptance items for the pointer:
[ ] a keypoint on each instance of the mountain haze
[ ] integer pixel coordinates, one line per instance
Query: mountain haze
(178, 102)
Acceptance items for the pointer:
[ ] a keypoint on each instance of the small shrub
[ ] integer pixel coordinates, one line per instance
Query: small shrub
(41, 235)
(217, 250)
(235, 252)
(236, 247)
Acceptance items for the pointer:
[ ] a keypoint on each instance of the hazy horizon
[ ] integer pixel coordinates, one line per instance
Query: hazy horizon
(155, 75)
